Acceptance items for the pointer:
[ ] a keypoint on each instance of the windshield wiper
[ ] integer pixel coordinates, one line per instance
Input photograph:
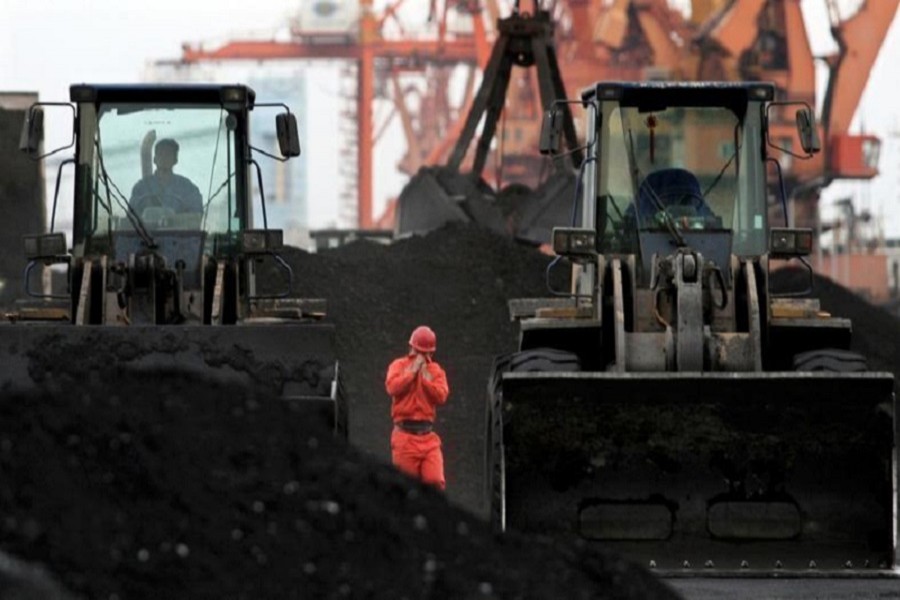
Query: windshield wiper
(213, 195)
(737, 165)
(114, 192)
(654, 197)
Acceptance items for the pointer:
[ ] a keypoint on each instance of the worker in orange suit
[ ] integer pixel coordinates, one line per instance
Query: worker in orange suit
(417, 385)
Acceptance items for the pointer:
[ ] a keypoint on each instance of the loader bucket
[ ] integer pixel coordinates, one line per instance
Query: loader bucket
(695, 473)
(293, 361)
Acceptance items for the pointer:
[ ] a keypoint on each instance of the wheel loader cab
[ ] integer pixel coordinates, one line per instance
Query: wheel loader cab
(198, 179)
(162, 199)
(686, 159)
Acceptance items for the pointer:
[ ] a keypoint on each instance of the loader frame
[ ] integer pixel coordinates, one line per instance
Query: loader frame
(201, 294)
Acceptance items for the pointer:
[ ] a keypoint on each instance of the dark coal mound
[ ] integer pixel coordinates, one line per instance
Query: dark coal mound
(876, 332)
(175, 489)
(24, 581)
(458, 280)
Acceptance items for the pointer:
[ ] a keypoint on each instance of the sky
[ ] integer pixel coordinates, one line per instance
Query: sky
(45, 45)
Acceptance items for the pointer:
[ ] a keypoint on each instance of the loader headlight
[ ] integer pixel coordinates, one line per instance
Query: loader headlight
(762, 92)
(261, 241)
(785, 242)
(44, 245)
(233, 95)
(574, 242)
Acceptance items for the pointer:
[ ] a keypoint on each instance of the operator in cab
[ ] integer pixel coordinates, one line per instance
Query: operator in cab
(165, 190)
(678, 192)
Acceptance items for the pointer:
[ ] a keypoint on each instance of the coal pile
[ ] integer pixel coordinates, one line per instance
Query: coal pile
(149, 488)
(457, 280)
(875, 332)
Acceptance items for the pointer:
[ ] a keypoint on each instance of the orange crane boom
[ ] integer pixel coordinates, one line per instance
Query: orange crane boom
(619, 40)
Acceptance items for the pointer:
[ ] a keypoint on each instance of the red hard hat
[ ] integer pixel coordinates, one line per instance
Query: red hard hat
(423, 339)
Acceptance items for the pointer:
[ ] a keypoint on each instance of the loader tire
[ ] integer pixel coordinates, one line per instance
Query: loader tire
(495, 465)
(536, 360)
(831, 360)
(341, 408)
(342, 416)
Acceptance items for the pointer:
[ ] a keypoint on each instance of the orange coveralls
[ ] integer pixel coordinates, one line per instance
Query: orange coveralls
(414, 398)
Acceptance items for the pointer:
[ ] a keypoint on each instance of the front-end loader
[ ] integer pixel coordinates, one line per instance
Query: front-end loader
(166, 274)
(671, 405)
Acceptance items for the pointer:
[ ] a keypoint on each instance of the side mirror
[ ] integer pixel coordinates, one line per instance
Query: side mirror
(551, 132)
(32, 131)
(288, 138)
(808, 131)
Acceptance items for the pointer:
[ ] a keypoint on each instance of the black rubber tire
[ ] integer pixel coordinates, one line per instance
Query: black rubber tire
(831, 360)
(536, 360)
(342, 413)
(340, 421)
(494, 473)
